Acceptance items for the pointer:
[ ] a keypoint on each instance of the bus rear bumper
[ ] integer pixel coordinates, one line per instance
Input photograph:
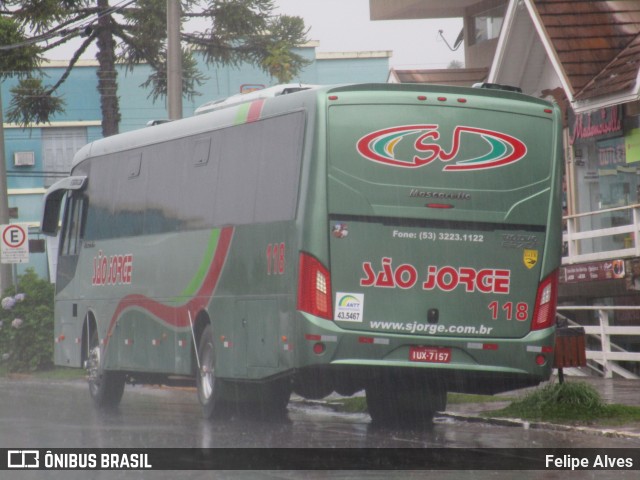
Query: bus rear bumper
(465, 364)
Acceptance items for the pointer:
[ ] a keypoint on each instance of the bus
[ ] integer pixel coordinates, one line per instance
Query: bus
(401, 240)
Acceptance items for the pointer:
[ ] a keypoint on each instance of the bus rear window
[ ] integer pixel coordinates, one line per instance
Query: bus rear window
(454, 157)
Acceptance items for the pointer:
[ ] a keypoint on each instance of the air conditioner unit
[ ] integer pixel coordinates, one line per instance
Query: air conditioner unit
(24, 159)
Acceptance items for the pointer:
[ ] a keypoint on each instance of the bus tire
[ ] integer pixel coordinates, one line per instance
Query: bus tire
(105, 387)
(403, 401)
(209, 387)
(274, 397)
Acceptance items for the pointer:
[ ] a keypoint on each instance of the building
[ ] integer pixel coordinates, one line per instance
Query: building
(585, 55)
(482, 22)
(462, 77)
(38, 155)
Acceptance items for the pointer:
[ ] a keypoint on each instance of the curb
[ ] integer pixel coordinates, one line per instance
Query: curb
(517, 422)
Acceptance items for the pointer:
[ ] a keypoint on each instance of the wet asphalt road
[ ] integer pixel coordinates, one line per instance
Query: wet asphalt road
(59, 414)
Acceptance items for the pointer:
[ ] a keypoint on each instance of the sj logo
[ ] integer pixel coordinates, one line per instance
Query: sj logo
(379, 146)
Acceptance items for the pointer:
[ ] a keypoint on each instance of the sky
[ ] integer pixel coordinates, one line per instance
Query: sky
(344, 26)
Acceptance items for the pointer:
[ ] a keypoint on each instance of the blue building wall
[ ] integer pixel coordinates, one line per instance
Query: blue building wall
(27, 184)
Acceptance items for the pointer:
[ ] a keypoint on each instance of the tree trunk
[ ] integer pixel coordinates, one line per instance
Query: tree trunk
(107, 75)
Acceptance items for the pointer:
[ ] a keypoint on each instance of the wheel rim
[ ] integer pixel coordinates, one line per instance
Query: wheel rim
(93, 368)
(207, 374)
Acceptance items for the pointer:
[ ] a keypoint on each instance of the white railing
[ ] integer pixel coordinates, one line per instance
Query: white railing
(602, 235)
(609, 352)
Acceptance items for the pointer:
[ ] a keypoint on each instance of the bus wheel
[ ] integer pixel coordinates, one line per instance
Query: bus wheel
(274, 397)
(209, 387)
(106, 388)
(405, 401)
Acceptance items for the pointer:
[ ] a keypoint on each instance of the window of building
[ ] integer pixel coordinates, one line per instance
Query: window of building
(59, 145)
(487, 24)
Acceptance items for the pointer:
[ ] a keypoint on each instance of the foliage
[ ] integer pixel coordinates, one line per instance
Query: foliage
(15, 61)
(32, 103)
(355, 404)
(457, 398)
(568, 401)
(190, 78)
(132, 31)
(26, 325)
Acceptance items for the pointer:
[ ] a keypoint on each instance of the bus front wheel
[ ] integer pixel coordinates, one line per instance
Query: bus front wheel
(105, 387)
(209, 387)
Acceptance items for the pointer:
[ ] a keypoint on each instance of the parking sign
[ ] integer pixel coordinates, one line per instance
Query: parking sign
(14, 246)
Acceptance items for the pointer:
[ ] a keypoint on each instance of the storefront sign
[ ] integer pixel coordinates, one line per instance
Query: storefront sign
(632, 145)
(597, 123)
(611, 153)
(591, 272)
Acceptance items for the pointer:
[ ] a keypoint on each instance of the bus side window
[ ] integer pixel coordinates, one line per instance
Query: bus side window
(72, 225)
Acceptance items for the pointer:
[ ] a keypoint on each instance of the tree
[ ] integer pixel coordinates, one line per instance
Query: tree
(133, 32)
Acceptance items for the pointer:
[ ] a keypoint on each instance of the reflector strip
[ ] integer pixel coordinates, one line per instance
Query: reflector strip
(227, 344)
(155, 342)
(537, 349)
(321, 338)
(482, 346)
(182, 343)
(374, 340)
(77, 341)
(128, 341)
(288, 348)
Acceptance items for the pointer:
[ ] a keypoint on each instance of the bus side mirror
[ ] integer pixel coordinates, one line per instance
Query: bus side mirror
(53, 201)
(51, 213)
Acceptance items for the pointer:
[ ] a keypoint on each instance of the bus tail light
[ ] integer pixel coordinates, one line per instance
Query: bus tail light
(546, 299)
(314, 287)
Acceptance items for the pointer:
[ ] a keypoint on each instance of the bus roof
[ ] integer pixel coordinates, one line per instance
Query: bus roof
(269, 92)
(226, 116)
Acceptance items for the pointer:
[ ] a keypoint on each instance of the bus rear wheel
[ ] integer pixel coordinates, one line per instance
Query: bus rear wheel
(410, 400)
(209, 387)
(105, 387)
(273, 397)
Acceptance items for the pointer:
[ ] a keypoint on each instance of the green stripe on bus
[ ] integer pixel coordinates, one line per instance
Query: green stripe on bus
(198, 278)
(242, 113)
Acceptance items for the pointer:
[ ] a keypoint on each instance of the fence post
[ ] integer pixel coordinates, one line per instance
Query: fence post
(571, 248)
(636, 226)
(605, 341)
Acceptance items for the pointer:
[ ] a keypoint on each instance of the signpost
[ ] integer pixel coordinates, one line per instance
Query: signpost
(14, 244)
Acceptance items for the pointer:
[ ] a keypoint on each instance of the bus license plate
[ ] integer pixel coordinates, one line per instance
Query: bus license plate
(430, 354)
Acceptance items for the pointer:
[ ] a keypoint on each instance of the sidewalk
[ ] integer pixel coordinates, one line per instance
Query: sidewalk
(612, 390)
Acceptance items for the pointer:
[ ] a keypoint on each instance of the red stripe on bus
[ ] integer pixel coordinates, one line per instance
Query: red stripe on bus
(179, 316)
(255, 109)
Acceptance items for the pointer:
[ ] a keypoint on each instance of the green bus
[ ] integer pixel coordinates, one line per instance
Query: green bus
(403, 240)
